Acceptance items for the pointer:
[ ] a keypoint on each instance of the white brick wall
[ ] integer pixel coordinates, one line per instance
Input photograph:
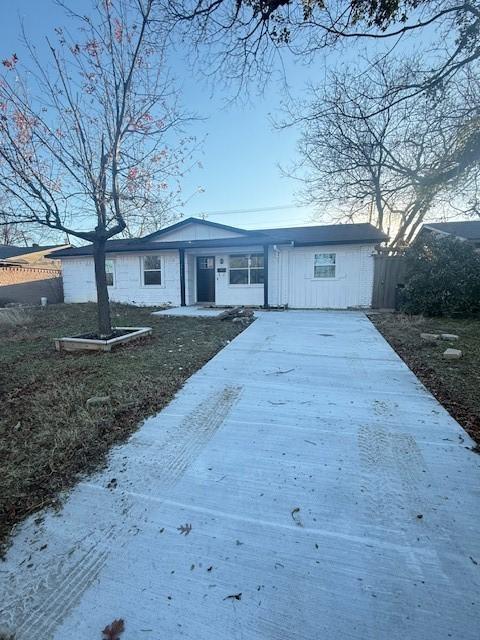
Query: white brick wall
(79, 280)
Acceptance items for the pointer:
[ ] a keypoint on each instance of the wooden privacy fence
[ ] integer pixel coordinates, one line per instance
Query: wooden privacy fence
(389, 278)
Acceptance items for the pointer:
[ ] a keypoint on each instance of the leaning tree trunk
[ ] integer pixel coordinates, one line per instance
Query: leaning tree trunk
(103, 307)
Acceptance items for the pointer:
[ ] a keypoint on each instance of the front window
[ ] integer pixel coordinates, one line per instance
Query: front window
(152, 270)
(324, 265)
(246, 268)
(110, 272)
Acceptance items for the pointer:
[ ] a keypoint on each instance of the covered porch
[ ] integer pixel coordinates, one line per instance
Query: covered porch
(224, 276)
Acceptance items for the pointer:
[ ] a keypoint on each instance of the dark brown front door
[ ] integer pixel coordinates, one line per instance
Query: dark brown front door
(205, 278)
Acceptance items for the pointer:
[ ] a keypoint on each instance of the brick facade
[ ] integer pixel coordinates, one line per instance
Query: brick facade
(29, 284)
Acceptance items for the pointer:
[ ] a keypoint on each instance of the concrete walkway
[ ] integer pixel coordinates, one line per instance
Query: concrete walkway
(329, 497)
(194, 311)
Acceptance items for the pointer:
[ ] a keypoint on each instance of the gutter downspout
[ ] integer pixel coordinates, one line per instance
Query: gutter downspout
(182, 276)
(265, 276)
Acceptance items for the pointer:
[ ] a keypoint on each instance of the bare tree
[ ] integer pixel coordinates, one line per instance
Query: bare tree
(85, 139)
(11, 233)
(242, 38)
(390, 168)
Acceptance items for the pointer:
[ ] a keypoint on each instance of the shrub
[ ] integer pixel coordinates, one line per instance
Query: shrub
(442, 278)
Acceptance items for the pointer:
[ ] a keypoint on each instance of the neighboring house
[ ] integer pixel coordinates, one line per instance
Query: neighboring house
(197, 261)
(27, 274)
(468, 230)
(30, 255)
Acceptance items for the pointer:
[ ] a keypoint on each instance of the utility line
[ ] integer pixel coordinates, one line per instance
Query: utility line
(258, 210)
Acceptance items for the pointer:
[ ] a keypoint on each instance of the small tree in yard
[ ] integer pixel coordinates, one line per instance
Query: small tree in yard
(84, 134)
(443, 278)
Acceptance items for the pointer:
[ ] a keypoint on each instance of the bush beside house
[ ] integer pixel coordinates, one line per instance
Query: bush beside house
(442, 278)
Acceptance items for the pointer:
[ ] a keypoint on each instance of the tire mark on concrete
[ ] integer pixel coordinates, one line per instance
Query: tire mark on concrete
(380, 484)
(193, 433)
(50, 611)
(42, 602)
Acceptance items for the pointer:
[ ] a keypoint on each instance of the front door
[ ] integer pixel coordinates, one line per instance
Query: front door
(205, 278)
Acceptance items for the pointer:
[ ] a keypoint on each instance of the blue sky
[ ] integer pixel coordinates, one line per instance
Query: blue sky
(241, 151)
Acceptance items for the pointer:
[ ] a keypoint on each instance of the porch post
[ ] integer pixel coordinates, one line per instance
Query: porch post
(182, 276)
(265, 276)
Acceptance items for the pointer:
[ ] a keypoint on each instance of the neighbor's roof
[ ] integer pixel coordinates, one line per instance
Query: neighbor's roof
(11, 251)
(298, 236)
(467, 229)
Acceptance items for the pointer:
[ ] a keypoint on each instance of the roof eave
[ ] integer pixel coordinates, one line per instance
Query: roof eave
(320, 243)
(221, 242)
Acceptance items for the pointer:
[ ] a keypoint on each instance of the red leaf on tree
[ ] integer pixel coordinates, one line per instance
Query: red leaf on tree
(93, 48)
(113, 631)
(118, 32)
(10, 63)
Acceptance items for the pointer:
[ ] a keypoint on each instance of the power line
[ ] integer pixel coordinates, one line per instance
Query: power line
(258, 210)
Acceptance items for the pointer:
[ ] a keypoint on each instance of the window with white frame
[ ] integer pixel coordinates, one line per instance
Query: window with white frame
(152, 270)
(324, 265)
(246, 268)
(110, 272)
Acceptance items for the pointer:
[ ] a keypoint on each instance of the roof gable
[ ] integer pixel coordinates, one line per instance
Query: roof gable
(195, 229)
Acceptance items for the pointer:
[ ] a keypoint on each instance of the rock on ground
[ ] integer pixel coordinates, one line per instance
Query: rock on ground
(452, 354)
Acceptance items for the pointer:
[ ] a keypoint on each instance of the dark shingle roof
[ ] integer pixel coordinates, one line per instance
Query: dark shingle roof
(468, 229)
(299, 236)
(336, 233)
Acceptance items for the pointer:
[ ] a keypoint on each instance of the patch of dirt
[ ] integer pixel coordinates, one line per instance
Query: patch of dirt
(456, 383)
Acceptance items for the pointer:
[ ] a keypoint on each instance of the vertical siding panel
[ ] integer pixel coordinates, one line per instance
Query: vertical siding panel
(352, 286)
(196, 232)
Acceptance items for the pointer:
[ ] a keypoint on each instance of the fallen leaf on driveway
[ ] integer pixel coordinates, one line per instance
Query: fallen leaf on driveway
(113, 631)
(279, 372)
(295, 516)
(185, 528)
(235, 596)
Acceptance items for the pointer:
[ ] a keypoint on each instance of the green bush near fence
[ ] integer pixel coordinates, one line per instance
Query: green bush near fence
(442, 278)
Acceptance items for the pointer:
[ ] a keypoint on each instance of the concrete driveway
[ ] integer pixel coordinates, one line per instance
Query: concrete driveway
(303, 485)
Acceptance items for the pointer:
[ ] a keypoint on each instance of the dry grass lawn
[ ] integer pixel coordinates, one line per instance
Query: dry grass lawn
(48, 437)
(455, 383)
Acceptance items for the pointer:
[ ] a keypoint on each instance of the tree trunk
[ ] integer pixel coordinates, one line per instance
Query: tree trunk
(103, 307)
